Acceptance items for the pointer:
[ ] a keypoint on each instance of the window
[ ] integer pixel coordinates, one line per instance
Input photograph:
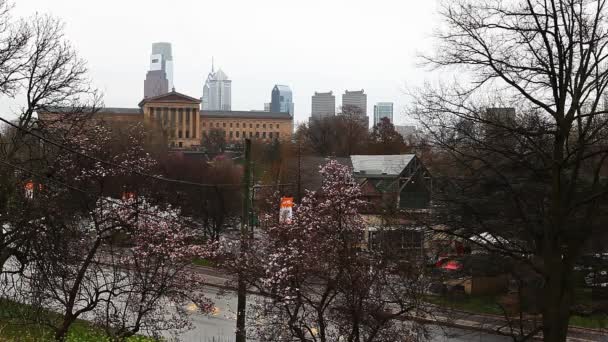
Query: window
(237, 134)
(179, 134)
(264, 126)
(217, 124)
(257, 134)
(263, 135)
(231, 134)
(244, 134)
(204, 124)
(270, 135)
(187, 134)
(277, 135)
(231, 125)
(237, 125)
(277, 126)
(250, 134)
(250, 125)
(224, 124)
(180, 144)
(270, 126)
(257, 125)
(224, 133)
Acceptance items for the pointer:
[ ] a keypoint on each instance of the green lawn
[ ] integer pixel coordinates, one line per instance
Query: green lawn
(489, 305)
(14, 329)
(203, 262)
(478, 304)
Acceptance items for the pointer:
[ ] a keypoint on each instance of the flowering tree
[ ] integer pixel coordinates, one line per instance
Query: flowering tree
(321, 284)
(76, 267)
(153, 274)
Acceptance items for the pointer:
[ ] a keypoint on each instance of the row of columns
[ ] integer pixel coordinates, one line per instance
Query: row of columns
(178, 120)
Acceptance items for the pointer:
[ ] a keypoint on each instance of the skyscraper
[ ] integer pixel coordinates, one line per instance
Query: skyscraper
(217, 91)
(282, 100)
(159, 79)
(356, 98)
(383, 110)
(355, 103)
(163, 50)
(323, 104)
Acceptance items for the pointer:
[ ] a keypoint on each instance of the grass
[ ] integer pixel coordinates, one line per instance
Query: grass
(477, 304)
(203, 262)
(489, 305)
(15, 329)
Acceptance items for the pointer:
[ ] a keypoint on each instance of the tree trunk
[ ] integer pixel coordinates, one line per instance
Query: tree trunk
(558, 297)
(61, 333)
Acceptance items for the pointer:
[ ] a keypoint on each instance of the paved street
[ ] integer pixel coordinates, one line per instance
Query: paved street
(219, 327)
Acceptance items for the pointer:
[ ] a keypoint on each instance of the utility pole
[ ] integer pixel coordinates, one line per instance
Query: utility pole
(241, 333)
(299, 171)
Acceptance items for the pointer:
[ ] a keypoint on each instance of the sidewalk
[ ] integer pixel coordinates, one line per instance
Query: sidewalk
(496, 324)
(492, 324)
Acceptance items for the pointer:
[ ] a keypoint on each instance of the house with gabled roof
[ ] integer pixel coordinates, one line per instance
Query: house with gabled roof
(393, 181)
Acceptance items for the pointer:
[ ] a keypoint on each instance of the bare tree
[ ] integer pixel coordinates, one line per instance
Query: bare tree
(527, 181)
(37, 64)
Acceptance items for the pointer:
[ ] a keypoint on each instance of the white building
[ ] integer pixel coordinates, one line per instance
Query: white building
(217, 91)
(323, 105)
(356, 98)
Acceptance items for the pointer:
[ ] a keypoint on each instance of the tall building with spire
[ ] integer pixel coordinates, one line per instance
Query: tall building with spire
(159, 79)
(217, 91)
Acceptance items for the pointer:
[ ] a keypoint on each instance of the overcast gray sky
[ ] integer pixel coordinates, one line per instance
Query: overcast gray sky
(310, 45)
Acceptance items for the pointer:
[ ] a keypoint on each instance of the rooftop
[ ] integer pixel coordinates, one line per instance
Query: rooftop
(391, 165)
(253, 114)
(103, 110)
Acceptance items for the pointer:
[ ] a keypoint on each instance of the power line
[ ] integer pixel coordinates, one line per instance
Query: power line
(43, 176)
(164, 179)
(125, 205)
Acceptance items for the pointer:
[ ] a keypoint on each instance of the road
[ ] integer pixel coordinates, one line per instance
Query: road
(219, 326)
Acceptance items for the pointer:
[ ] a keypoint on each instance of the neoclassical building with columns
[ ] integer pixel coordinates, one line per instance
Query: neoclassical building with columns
(185, 126)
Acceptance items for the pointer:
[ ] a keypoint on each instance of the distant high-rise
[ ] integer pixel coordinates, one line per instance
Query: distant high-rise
(159, 79)
(356, 98)
(383, 110)
(217, 91)
(405, 131)
(163, 50)
(282, 100)
(267, 106)
(323, 104)
(156, 83)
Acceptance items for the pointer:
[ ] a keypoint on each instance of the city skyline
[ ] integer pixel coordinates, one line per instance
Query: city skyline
(241, 48)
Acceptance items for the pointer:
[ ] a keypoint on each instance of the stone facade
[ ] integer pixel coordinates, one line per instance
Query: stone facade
(178, 115)
(237, 125)
(184, 125)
